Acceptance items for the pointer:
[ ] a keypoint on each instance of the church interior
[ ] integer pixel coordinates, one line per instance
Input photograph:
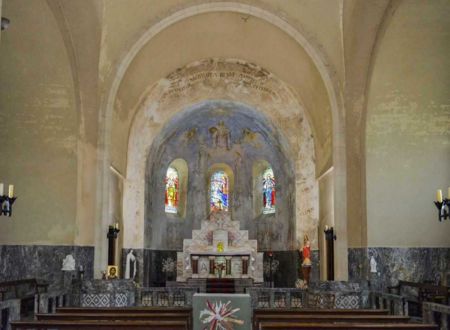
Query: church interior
(275, 154)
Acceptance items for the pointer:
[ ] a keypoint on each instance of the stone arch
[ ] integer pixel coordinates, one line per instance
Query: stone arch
(326, 72)
(159, 107)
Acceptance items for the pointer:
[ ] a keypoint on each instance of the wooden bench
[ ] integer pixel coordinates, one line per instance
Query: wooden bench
(351, 326)
(425, 291)
(305, 318)
(100, 324)
(289, 312)
(335, 311)
(34, 287)
(124, 310)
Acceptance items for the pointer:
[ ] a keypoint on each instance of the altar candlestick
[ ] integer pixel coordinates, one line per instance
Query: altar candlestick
(11, 191)
(2, 188)
(439, 195)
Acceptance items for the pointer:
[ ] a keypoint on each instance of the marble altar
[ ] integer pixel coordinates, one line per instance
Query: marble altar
(220, 249)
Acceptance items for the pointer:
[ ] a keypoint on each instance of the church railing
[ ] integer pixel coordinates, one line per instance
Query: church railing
(48, 302)
(278, 297)
(301, 298)
(436, 313)
(165, 296)
(396, 304)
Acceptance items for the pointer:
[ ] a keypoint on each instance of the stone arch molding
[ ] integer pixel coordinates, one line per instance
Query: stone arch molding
(326, 71)
(219, 81)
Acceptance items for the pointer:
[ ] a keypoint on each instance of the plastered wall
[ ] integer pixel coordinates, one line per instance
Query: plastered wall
(408, 128)
(38, 127)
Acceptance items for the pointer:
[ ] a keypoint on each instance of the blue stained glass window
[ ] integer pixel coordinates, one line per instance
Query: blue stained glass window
(219, 192)
(269, 192)
(172, 188)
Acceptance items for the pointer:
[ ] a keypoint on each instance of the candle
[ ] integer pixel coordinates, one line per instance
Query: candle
(11, 191)
(2, 188)
(439, 195)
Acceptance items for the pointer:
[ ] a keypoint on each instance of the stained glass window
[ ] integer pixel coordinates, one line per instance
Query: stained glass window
(269, 191)
(219, 192)
(172, 189)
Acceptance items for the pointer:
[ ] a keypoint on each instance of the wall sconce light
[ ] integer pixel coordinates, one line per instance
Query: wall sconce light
(5, 23)
(329, 233)
(6, 201)
(443, 205)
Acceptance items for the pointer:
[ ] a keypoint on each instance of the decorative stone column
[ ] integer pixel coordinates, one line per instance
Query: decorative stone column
(212, 260)
(194, 260)
(228, 266)
(244, 267)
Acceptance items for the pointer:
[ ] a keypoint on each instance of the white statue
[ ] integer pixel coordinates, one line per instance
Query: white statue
(130, 266)
(68, 263)
(373, 265)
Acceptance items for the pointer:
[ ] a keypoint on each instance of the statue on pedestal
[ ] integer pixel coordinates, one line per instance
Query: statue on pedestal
(306, 264)
(68, 263)
(130, 266)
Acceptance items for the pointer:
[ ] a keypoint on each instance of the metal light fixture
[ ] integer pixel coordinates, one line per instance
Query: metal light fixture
(6, 201)
(5, 23)
(443, 205)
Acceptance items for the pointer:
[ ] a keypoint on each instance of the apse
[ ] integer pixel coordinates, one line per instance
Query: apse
(224, 146)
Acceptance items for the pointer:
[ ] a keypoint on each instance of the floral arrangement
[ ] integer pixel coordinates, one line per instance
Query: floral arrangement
(219, 316)
(168, 266)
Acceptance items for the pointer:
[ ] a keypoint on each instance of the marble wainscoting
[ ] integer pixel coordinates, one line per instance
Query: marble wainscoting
(139, 254)
(394, 264)
(43, 262)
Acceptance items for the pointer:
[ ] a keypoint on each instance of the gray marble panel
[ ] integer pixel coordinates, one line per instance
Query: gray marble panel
(394, 264)
(43, 262)
(13, 312)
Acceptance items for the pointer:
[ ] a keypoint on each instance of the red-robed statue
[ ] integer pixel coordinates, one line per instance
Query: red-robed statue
(306, 264)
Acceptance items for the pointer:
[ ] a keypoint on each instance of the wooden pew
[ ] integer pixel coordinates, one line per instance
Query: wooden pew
(296, 311)
(100, 324)
(334, 311)
(125, 310)
(184, 313)
(328, 318)
(349, 326)
(111, 316)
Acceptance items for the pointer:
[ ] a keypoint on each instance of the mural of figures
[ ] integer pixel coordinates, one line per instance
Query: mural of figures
(219, 192)
(172, 188)
(268, 191)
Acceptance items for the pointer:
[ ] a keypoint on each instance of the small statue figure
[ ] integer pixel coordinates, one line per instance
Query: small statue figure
(373, 265)
(68, 263)
(306, 264)
(130, 266)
